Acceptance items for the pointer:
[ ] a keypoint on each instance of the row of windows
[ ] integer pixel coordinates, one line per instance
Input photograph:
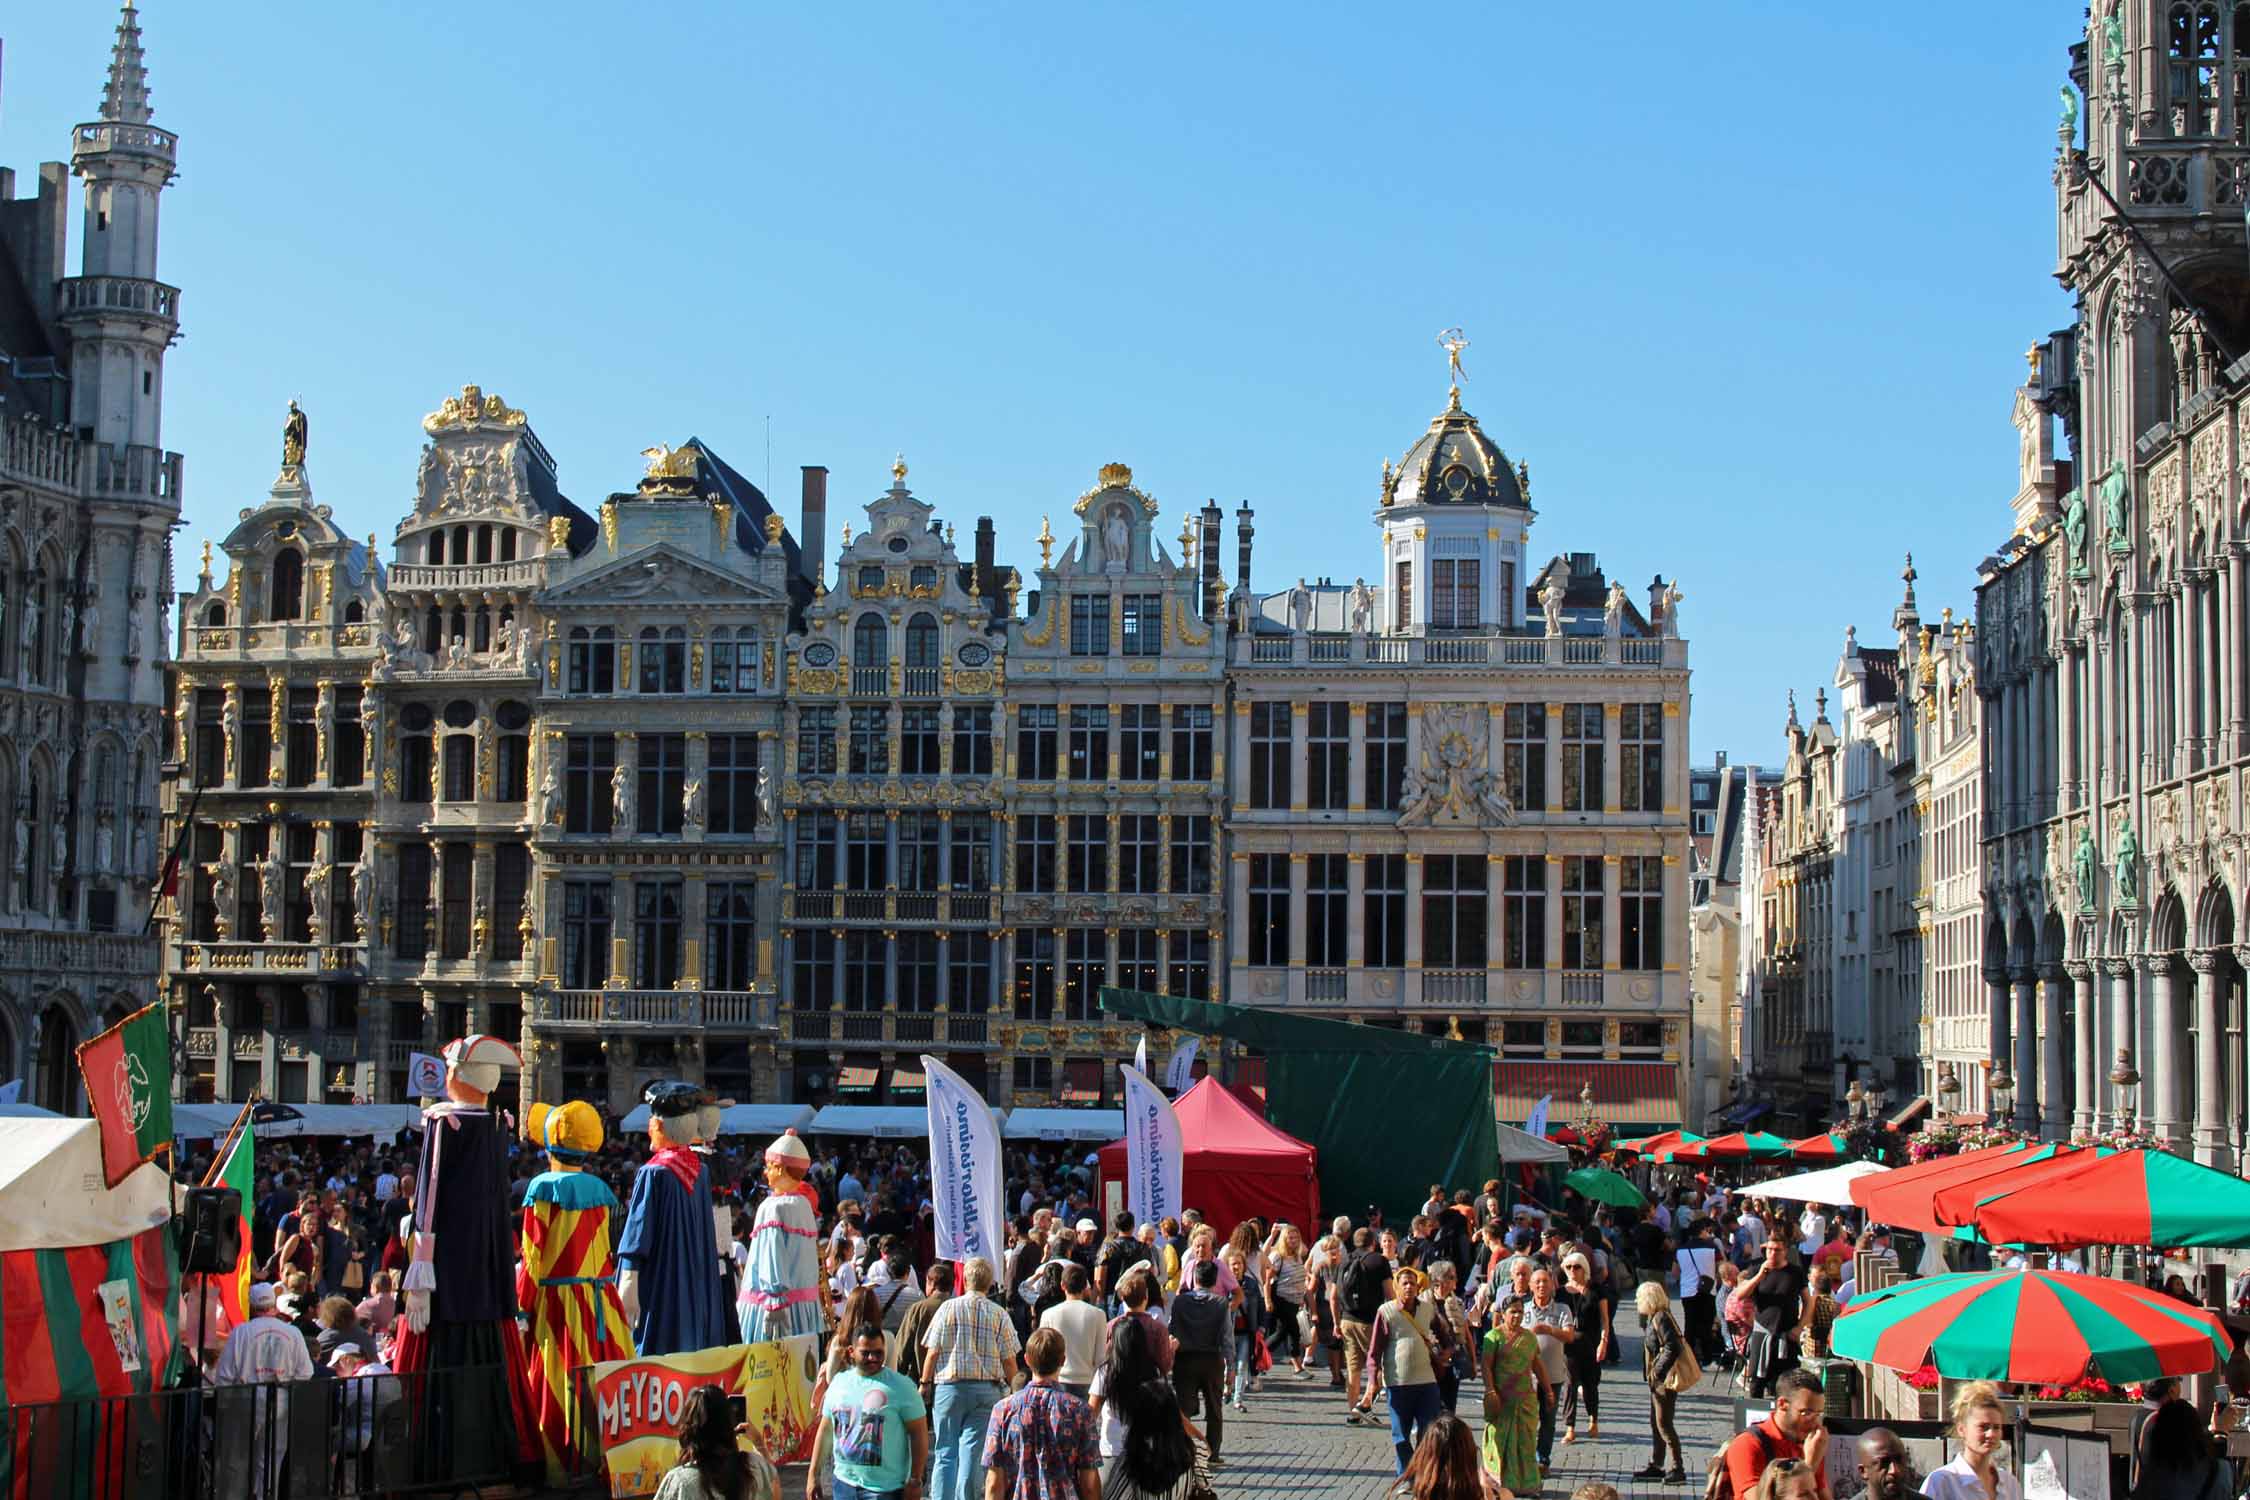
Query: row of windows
(447, 925)
(1046, 742)
(297, 739)
(1140, 625)
(662, 661)
(730, 933)
(1457, 931)
(658, 783)
(853, 970)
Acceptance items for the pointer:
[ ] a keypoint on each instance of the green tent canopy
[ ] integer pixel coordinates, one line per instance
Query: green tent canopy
(1390, 1112)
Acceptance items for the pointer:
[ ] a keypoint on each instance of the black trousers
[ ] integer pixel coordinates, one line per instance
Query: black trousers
(1198, 1376)
(1702, 1325)
(1660, 1428)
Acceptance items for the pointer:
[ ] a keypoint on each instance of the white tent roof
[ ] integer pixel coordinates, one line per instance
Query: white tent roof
(51, 1193)
(1064, 1125)
(883, 1121)
(200, 1122)
(1830, 1185)
(1521, 1145)
(738, 1119)
(26, 1112)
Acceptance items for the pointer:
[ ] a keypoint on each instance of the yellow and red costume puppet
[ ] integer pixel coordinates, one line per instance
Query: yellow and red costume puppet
(567, 1278)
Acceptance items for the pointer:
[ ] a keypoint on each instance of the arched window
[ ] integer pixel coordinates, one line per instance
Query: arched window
(354, 612)
(663, 657)
(484, 543)
(437, 547)
(105, 779)
(460, 544)
(922, 641)
(285, 592)
(508, 545)
(871, 642)
(216, 614)
(481, 642)
(433, 631)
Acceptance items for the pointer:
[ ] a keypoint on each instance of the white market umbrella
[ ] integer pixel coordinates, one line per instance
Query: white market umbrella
(1830, 1185)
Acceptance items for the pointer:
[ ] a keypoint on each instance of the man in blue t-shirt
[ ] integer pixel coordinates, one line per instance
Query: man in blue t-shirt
(873, 1425)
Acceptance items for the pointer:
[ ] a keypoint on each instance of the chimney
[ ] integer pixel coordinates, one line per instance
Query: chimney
(985, 544)
(812, 531)
(1213, 517)
(1244, 531)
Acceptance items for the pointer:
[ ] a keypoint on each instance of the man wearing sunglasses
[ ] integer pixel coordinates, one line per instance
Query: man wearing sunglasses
(1794, 1431)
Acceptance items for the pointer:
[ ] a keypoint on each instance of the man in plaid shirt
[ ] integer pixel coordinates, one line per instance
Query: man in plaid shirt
(970, 1357)
(1042, 1444)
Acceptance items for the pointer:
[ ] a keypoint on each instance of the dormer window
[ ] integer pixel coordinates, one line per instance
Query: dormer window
(1455, 588)
(924, 576)
(870, 580)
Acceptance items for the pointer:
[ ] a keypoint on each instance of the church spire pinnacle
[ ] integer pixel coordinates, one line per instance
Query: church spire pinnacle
(125, 93)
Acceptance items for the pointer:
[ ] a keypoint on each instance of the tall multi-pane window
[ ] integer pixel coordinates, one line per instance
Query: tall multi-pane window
(1089, 854)
(1085, 971)
(1382, 906)
(918, 740)
(730, 934)
(917, 971)
(1456, 584)
(513, 760)
(304, 735)
(816, 741)
(918, 851)
(416, 754)
(1089, 742)
(1144, 624)
(656, 933)
(1453, 911)
(1036, 727)
(968, 971)
(1140, 959)
(1089, 624)
(460, 761)
(733, 784)
(459, 862)
(813, 866)
(812, 968)
(866, 986)
(972, 853)
(1140, 741)
(1328, 754)
(297, 850)
(734, 660)
(590, 662)
(1640, 912)
(1269, 910)
(588, 761)
(1523, 896)
(210, 737)
(871, 739)
(923, 644)
(1402, 595)
(1137, 853)
(1582, 889)
(1269, 755)
(254, 752)
(511, 878)
(2195, 67)
(1188, 966)
(1327, 910)
(1034, 982)
(972, 739)
(415, 867)
(661, 765)
(1035, 853)
(663, 660)
(585, 945)
(1582, 757)
(1523, 755)
(1385, 755)
(1191, 854)
(866, 852)
(1191, 742)
(343, 899)
(1640, 757)
(871, 644)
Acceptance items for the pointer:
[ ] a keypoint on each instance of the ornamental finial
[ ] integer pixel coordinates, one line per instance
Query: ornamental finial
(1453, 341)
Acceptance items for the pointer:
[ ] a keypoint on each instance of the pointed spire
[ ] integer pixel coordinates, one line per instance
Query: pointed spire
(1792, 708)
(125, 94)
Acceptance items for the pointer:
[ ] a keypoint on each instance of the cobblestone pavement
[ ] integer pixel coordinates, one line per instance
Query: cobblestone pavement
(1294, 1440)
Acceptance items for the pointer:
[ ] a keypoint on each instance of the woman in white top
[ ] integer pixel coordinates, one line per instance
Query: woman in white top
(1979, 1423)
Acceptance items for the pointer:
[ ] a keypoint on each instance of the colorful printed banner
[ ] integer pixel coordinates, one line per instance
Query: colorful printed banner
(128, 1073)
(637, 1405)
(1153, 1150)
(964, 1167)
(425, 1076)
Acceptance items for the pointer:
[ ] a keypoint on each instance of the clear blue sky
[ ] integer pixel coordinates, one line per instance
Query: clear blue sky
(1748, 284)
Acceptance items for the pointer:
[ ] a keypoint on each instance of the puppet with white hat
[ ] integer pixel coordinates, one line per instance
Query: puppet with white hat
(668, 1251)
(781, 1283)
(460, 1277)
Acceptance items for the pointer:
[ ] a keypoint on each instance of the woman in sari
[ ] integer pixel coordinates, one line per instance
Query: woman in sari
(1515, 1385)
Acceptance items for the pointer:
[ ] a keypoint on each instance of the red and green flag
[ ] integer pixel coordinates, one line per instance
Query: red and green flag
(234, 1171)
(128, 1073)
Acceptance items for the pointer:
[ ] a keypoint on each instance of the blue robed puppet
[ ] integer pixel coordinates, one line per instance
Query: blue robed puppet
(669, 1252)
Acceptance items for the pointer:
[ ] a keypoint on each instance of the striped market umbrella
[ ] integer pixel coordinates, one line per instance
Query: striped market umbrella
(1903, 1198)
(1655, 1146)
(2138, 1196)
(1827, 1146)
(1756, 1145)
(2047, 1327)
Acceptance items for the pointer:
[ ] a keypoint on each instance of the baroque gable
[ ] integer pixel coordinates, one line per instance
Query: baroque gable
(657, 575)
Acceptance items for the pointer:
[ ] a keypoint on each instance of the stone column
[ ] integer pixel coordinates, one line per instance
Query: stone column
(2161, 1084)
(2119, 973)
(2211, 1146)
(1998, 1014)
(2086, 1067)
(2026, 1061)
(2238, 660)
(1355, 795)
(2054, 1079)
(1410, 991)
(1355, 903)
(1299, 772)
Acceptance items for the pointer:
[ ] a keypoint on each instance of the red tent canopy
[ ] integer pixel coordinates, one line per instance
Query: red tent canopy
(1234, 1164)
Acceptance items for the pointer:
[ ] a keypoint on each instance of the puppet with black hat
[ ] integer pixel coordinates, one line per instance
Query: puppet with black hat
(670, 1281)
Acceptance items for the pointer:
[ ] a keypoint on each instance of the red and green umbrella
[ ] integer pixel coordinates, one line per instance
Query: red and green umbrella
(1903, 1197)
(2139, 1196)
(2048, 1327)
(1827, 1146)
(1604, 1186)
(1656, 1145)
(1755, 1145)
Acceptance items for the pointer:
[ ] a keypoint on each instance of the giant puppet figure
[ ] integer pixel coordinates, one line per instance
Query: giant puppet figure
(460, 1316)
(567, 1278)
(669, 1250)
(781, 1284)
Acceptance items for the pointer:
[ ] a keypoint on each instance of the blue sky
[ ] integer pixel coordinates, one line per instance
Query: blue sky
(1747, 284)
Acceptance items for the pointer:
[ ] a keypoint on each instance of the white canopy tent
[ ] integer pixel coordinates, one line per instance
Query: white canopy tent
(1829, 1185)
(1522, 1146)
(210, 1122)
(883, 1122)
(51, 1193)
(738, 1119)
(1064, 1125)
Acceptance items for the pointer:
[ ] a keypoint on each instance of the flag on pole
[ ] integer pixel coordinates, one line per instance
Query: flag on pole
(1180, 1072)
(1152, 1150)
(235, 1170)
(964, 1166)
(1140, 1053)
(1537, 1124)
(128, 1073)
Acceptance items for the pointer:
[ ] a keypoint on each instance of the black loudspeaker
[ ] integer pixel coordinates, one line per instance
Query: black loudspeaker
(210, 1229)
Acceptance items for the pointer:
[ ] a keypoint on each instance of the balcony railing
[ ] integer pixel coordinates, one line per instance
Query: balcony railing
(273, 958)
(468, 577)
(971, 908)
(1581, 988)
(921, 682)
(122, 294)
(36, 454)
(1453, 986)
(863, 906)
(1327, 984)
(917, 1026)
(871, 682)
(971, 1030)
(860, 1026)
(609, 1009)
(818, 906)
(1460, 650)
(917, 906)
(401, 1054)
(807, 1025)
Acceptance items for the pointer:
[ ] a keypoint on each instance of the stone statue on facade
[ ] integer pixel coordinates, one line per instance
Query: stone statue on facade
(504, 641)
(293, 432)
(1613, 611)
(480, 931)
(105, 842)
(2083, 862)
(273, 884)
(2069, 128)
(551, 791)
(621, 798)
(765, 797)
(226, 893)
(370, 708)
(1672, 597)
(136, 626)
(316, 899)
(30, 628)
(143, 865)
(1117, 539)
(90, 621)
(363, 892)
(1363, 606)
(58, 848)
(1300, 607)
(691, 803)
(1238, 609)
(2112, 495)
(1551, 602)
(2128, 875)
(2074, 528)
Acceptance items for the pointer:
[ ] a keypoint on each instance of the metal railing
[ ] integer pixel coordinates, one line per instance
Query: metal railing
(1484, 648)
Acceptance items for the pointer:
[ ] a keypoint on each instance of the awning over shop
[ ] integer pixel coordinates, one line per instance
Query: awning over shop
(888, 1122)
(1032, 1124)
(1625, 1093)
(857, 1078)
(908, 1080)
(1912, 1113)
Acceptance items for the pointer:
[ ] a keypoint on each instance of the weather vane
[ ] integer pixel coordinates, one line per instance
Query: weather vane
(1453, 341)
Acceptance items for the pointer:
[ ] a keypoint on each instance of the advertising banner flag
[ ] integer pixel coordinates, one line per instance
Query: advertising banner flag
(128, 1073)
(964, 1167)
(425, 1076)
(1180, 1072)
(1152, 1150)
(1140, 1053)
(637, 1405)
(1537, 1124)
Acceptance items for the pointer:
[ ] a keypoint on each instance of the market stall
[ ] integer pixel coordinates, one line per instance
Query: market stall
(1234, 1164)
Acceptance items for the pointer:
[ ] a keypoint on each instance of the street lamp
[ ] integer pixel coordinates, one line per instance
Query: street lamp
(2002, 1084)
(1877, 1097)
(2125, 1078)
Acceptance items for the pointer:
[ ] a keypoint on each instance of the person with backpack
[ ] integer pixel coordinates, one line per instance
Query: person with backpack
(1360, 1292)
(1794, 1431)
(1698, 1262)
(1119, 1253)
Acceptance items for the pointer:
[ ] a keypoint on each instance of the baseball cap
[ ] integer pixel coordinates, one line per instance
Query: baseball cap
(1087, 1226)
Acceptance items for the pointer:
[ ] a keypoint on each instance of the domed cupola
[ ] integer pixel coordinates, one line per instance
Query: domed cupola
(1454, 463)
